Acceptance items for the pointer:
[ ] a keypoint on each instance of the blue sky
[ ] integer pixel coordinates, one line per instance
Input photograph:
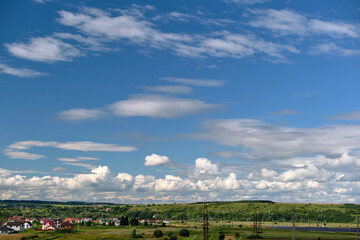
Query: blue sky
(156, 101)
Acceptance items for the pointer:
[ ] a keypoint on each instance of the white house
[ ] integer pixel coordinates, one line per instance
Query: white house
(6, 230)
(27, 225)
(167, 221)
(16, 226)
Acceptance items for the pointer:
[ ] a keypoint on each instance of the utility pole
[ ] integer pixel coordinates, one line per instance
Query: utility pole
(293, 228)
(206, 223)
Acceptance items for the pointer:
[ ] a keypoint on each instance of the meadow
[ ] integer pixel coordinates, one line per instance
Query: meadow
(106, 232)
(233, 219)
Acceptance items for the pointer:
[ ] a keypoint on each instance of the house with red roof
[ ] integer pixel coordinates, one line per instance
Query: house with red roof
(48, 226)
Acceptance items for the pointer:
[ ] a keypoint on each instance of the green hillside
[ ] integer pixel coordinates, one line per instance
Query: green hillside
(237, 211)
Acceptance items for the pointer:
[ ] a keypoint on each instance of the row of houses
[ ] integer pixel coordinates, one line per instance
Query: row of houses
(18, 224)
(12, 226)
(46, 225)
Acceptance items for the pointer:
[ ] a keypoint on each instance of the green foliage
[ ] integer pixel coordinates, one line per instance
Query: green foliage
(64, 231)
(241, 210)
(134, 235)
(134, 222)
(173, 238)
(158, 233)
(184, 233)
(30, 237)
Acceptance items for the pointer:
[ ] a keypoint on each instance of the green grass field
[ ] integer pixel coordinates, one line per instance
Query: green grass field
(105, 232)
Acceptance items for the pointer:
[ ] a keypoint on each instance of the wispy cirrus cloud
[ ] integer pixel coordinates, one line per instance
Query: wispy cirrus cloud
(255, 139)
(44, 49)
(331, 49)
(15, 154)
(169, 89)
(16, 150)
(156, 106)
(196, 82)
(285, 22)
(133, 27)
(80, 114)
(20, 72)
(79, 162)
(159, 106)
(284, 112)
(355, 115)
(247, 2)
(186, 17)
(97, 29)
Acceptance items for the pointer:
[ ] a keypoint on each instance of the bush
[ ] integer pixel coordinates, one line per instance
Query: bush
(30, 237)
(134, 235)
(221, 236)
(158, 233)
(173, 238)
(64, 230)
(134, 222)
(184, 233)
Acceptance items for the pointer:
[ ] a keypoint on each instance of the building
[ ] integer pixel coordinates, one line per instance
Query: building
(48, 226)
(27, 225)
(6, 230)
(57, 223)
(16, 226)
(67, 225)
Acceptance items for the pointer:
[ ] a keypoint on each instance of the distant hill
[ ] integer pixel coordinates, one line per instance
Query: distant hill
(38, 202)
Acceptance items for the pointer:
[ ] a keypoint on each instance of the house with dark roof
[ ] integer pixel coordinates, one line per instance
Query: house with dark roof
(6, 230)
(16, 226)
(27, 225)
(67, 225)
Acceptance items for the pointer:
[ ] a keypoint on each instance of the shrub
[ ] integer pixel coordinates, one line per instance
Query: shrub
(30, 237)
(134, 235)
(184, 233)
(170, 233)
(221, 236)
(158, 233)
(134, 222)
(64, 231)
(173, 238)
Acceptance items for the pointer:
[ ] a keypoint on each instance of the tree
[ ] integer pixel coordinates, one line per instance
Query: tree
(122, 221)
(134, 221)
(126, 221)
(133, 235)
(184, 233)
(221, 236)
(158, 233)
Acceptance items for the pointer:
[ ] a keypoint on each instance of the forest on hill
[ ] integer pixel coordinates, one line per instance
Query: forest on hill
(226, 211)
